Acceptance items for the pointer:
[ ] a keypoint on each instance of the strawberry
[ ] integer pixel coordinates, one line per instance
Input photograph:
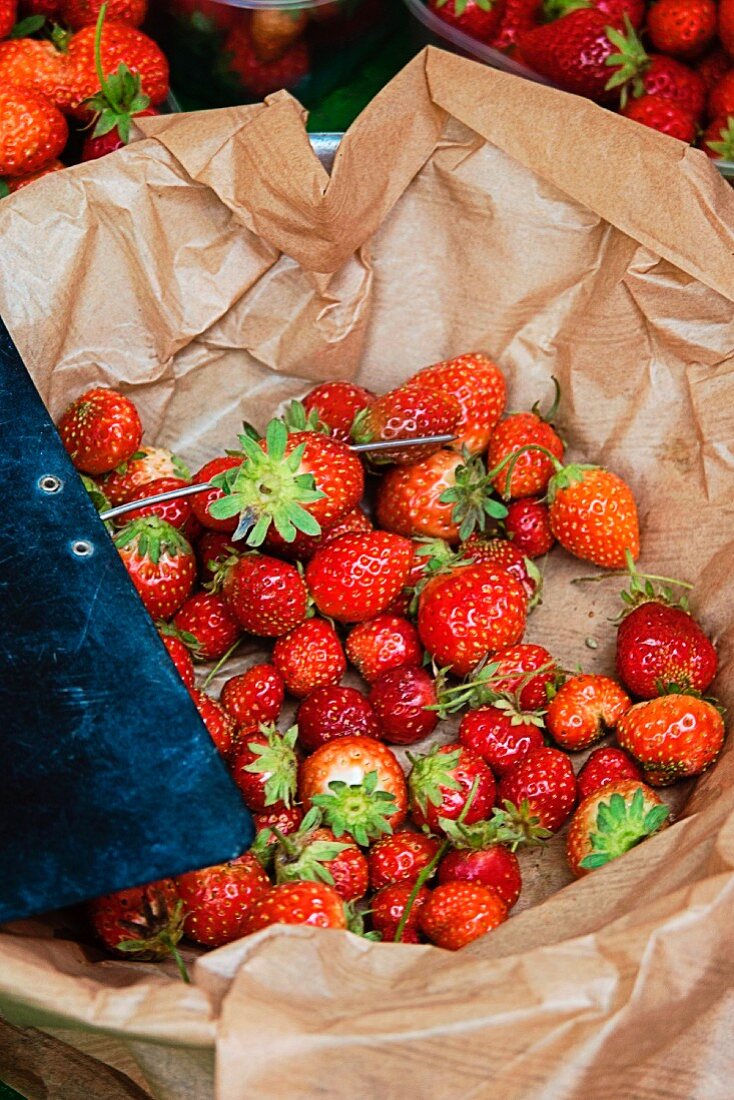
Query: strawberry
(286, 819)
(160, 562)
(377, 645)
(573, 51)
(202, 501)
(459, 912)
(518, 16)
(146, 464)
(358, 576)
(100, 430)
(661, 646)
(310, 656)
(402, 699)
(605, 765)
(510, 675)
(297, 481)
(267, 596)
(501, 734)
(220, 725)
(349, 762)
(176, 512)
(399, 858)
(713, 65)
(717, 141)
(388, 907)
(683, 28)
(527, 524)
(8, 16)
(448, 781)
(119, 43)
(672, 737)
(474, 859)
(479, 387)
(212, 549)
(726, 25)
(502, 552)
(470, 612)
(37, 65)
(314, 903)
(544, 779)
(721, 97)
(273, 30)
(407, 413)
(85, 13)
(217, 899)
(304, 546)
(33, 133)
(254, 696)
(265, 768)
(610, 822)
(584, 709)
(477, 18)
(14, 183)
(331, 712)
(314, 854)
(336, 404)
(662, 115)
(145, 922)
(206, 618)
(533, 470)
(260, 78)
(672, 80)
(593, 515)
(179, 654)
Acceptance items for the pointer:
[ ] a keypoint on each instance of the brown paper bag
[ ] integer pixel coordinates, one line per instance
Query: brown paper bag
(215, 269)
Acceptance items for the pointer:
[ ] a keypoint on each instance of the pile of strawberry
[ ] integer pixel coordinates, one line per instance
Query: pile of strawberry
(429, 608)
(668, 64)
(69, 68)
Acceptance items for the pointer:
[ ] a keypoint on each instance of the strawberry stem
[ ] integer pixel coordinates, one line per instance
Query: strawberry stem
(103, 83)
(177, 958)
(222, 660)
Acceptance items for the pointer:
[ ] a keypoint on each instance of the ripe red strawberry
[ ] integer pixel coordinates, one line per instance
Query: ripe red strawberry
(217, 899)
(314, 903)
(33, 133)
(610, 822)
(659, 646)
(206, 618)
(201, 502)
(683, 28)
(100, 430)
(120, 43)
(267, 596)
(304, 546)
(8, 16)
(145, 922)
(720, 102)
(477, 18)
(726, 25)
(491, 865)
(713, 65)
(459, 912)
(294, 481)
(545, 780)
(85, 13)
(358, 576)
(662, 115)
(717, 140)
(254, 696)
(672, 737)
(145, 465)
(511, 674)
(584, 709)
(179, 654)
(502, 552)
(212, 549)
(388, 906)
(533, 470)
(470, 612)
(573, 51)
(527, 524)
(479, 386)
(605, 765)
(501, 734)
(314, 854)
(518, 16)
(401, 698)
(260, 78)
(337, 404)
(160, 562)
(265, 768)
(670, 79)
(15, 183)
(448, 781)
(286, 819)
(351, 760)
(38, 65)
(220, 725)
(310, 656)
(400, 858)
(331, 712)
(409, 497)
(101, 142)
(407, 413)
(176, 512)
(593, 515)
(385, 642)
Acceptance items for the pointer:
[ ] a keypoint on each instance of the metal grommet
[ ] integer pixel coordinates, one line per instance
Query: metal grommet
(82, 548)
(49, 483)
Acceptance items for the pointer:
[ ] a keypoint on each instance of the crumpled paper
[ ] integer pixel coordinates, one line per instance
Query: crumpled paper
(213, 270)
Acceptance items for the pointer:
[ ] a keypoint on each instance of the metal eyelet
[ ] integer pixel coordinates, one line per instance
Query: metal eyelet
(49, 483)
(82, 548)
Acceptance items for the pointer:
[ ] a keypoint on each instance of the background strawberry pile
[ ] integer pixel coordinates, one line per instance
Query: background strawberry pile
(668, 64)
(424, 616)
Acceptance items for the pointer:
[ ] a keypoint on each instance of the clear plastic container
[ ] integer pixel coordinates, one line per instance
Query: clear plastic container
(239, 51)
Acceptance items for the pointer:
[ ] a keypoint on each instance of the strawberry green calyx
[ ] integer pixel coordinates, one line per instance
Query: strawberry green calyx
(28, 26)
(299, 856)
(267, 488)
(724, 147)
(630, 61)
(120, 95)
(431, 772)
(498, 829)
(278, 758)
(556, 9)
(355, 914)
(297, 419)
(359, 809)
(153, 537)
(642, 588)
(158, 934)
(518, 825)
(472, 497)
(460, 5)
(189, 640)
(620, 826)
(98, 498)
(474, 692)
